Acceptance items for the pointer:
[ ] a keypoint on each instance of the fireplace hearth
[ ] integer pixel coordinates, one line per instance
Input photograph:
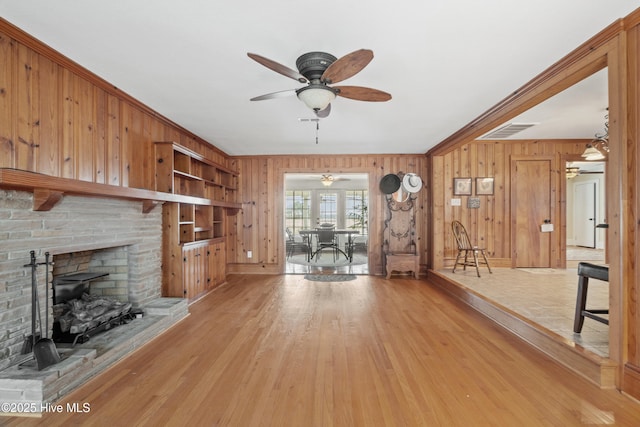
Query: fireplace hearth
(83, 234)
(25, 384)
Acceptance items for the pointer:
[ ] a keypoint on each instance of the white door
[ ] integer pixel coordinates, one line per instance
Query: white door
(584, 214)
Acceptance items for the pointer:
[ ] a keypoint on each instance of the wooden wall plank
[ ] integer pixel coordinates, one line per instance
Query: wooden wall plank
(26, 100)
(67, 169)
(7, 122)
(48, 117)
(100, 134)
(83, 116)
(113, 170)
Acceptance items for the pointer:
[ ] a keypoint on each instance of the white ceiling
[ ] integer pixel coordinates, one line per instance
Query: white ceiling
(444, 62)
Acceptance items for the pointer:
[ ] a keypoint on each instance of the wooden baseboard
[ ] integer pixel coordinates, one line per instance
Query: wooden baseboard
(259, 268)
(631, 381)
(596, 369)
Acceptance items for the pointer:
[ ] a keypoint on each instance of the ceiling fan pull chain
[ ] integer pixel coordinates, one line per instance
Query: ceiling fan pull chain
(317, 129)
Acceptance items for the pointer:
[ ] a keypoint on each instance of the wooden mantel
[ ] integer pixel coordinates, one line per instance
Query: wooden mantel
(49, 190)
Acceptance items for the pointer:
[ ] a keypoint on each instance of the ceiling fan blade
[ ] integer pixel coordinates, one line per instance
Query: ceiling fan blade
(280, 94)
(347, 66)
(278, 68)
(360, 93)
(324, 113)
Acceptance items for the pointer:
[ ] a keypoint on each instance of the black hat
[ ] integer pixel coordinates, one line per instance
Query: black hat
(390, 183)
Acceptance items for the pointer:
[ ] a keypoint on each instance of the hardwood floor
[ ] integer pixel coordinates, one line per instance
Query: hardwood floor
(284, 351)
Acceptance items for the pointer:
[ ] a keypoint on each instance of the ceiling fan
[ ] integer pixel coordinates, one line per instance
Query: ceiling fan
(329, 179)
(318, 70)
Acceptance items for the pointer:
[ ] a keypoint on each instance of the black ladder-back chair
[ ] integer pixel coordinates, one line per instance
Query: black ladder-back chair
(465, 248)
(326, 240)
(292, 244)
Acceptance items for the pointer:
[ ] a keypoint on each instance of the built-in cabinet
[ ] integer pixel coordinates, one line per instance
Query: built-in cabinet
(195, 269)
(194, 228)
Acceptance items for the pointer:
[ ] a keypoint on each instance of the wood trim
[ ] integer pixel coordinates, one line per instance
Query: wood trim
(48, 190)
(631, 374)
(44, 199)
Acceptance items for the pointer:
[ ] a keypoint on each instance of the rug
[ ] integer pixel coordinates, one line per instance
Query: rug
(540, 270)
(330, 277)
(326, 260)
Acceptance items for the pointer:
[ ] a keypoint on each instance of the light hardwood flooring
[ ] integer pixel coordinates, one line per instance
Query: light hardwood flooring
(285, 351)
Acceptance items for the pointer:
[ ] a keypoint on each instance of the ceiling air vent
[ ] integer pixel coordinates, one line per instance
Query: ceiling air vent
(507, 131)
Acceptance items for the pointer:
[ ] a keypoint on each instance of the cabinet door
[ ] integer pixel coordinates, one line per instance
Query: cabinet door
(221, 264)
(193, 278)
(216, 264)
(211, 266)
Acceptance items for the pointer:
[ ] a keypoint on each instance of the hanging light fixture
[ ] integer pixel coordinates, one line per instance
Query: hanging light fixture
(597, 148)
(592, 153)
(316, 96)
(327, 180)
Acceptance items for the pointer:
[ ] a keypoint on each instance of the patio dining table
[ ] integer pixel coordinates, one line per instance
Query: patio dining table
(314, 232)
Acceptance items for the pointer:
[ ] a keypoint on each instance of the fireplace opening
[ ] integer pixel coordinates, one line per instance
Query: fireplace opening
(90, 294)
(78, 315)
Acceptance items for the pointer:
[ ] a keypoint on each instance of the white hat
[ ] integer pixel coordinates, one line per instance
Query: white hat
(411, 183)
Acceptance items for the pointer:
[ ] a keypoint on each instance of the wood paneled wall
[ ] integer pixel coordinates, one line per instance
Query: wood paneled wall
(490, 225)
(59, 119)
(631, 200)
(259, 227)
(617, 48)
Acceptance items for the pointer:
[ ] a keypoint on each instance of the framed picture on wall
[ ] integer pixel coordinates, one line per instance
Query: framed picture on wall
(484, 186)
(462, 186)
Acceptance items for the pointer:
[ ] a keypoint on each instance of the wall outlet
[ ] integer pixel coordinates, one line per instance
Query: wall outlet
(249, 254)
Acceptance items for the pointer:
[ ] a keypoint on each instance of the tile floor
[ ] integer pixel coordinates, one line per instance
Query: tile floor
(546, 296)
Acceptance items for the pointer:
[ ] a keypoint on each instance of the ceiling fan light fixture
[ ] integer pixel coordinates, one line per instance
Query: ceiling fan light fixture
(317, 97)
(572, 172)
(327, 180)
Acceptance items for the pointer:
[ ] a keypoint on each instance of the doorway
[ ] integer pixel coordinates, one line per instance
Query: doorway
(585, 212)
(339, 199)
(584, 225)
(531, 197)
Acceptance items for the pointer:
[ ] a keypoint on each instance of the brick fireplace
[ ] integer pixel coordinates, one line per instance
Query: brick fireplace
(81, 233)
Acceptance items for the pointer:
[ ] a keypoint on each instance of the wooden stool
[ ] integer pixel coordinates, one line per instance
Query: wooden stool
(586, 271)
(403, 262)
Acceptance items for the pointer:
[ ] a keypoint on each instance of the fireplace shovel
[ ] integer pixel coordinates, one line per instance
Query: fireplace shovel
(44, 350)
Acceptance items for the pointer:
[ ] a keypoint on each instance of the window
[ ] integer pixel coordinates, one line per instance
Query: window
(357, 210)
(297, 210)
(328, 208)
